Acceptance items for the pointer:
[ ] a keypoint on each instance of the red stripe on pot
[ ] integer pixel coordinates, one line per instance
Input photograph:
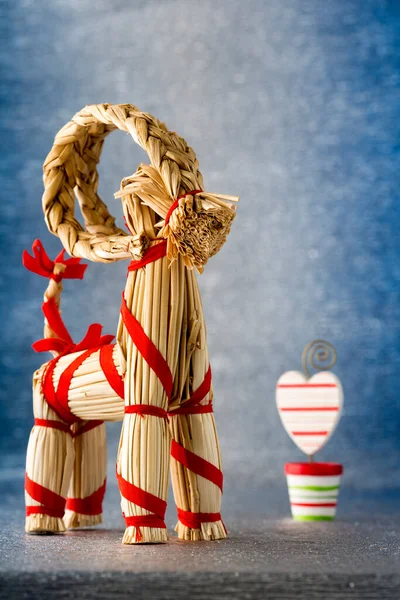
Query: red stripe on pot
(314, 504)
(318, 469)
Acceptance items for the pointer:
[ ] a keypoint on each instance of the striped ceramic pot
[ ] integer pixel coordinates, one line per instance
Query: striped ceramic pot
(313, 490)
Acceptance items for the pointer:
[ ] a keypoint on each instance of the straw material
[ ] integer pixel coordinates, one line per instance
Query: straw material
(89, 473)
(71, 168)
(196, 432)
(163, 203)
(50, 452)
(147, 297)
(49, 462)
(90, 396)
(196, 229)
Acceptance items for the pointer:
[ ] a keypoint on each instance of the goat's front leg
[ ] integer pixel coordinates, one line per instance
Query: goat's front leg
(143, 455)
(197, 477)
(196, 461)
(142, 472)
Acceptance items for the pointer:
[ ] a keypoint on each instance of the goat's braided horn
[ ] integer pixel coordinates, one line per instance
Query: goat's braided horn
(70, 170)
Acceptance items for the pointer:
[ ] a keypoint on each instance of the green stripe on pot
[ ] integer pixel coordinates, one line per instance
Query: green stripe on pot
(312, 518)
(322, 498)
(314, 488)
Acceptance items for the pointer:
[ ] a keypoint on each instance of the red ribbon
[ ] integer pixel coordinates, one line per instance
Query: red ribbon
(146, 409)
(63, 343)
(196, 464)
(193, 406)
(85, 428)
(144, 499)
(110, 370)
(53, 425)
(57, 399)
(52, 504)
(175, 204)
(198, 409)
(143, 521)
(91, 505)
(154, 253)
(42, 265)
(155, 505)
(147, 348)
(203, 389)
(194, 520)
(61, 426)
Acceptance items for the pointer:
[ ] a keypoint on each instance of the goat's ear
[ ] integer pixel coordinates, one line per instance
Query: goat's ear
(148, 186)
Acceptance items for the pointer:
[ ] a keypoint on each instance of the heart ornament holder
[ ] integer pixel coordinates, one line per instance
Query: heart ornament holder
(310, 408)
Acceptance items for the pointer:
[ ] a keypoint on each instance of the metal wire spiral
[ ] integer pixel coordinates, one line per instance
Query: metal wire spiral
(316, 353)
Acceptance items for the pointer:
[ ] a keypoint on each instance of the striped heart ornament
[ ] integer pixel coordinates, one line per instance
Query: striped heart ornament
(310, 409)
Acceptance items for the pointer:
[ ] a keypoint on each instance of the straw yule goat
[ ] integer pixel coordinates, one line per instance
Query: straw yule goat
(156, 378)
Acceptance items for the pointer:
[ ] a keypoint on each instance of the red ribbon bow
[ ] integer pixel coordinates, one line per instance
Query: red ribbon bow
(42, 265)
(63, 343)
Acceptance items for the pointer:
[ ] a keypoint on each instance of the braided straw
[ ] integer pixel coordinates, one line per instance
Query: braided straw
(71, 168)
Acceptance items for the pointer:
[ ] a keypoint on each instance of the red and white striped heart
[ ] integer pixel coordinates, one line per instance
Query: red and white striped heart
(310, 409)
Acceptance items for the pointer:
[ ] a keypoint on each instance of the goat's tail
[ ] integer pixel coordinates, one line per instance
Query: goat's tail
(57, 270)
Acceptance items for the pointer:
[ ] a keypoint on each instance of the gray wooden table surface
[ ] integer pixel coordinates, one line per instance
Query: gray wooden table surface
(263, 558)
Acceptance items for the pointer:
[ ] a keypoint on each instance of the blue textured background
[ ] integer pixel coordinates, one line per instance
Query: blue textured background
(294, 106)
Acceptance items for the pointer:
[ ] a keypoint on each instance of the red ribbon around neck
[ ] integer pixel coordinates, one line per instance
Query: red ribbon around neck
(175, 204)
(63, 343)
(155, 252)
(42, 265)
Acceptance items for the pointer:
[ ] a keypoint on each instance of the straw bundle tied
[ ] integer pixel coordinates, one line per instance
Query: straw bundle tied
(196, 432)
(90, 395)
(195, 225)
(157, 377)
(56, 452)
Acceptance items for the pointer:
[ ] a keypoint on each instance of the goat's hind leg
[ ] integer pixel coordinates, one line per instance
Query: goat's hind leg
(49, 463)
(88, 482)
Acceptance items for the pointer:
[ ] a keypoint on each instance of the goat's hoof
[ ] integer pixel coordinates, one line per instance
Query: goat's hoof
(73, 520)
(208, 532)
(42, 524)
(145, 535)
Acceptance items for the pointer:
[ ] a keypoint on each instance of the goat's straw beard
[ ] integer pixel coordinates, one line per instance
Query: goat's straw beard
(198, 229)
